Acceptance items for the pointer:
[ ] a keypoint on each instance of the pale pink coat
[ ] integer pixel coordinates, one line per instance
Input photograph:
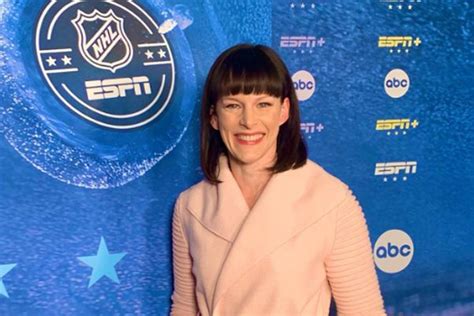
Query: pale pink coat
(305, 239)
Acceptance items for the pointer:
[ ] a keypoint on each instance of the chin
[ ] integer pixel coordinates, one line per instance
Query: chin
(250, 158)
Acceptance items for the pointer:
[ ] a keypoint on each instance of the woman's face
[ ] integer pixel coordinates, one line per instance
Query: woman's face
(249, 125)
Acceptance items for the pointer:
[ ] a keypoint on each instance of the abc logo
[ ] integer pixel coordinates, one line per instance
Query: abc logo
(396, 83)
(304, 84)
(393, 251)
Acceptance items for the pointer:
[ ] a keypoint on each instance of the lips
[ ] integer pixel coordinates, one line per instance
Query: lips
(249, 139)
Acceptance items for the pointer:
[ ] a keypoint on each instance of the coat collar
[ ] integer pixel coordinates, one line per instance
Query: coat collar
(278, 215)
(269, 223)
(232, 209)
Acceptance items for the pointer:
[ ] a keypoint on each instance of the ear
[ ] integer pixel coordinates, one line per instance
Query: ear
(213, 118)
(285, 111)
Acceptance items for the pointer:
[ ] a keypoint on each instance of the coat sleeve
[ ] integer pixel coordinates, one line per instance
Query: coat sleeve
(350, 266)
(183, 298)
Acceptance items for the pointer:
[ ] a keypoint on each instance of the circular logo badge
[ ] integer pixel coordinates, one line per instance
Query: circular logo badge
(396, 83)
(393, 251)
(304, 84)
(106, 61)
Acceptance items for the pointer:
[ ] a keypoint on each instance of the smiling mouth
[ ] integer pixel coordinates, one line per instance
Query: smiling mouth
(249, 139)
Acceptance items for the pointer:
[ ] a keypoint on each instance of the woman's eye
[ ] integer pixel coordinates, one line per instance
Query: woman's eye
(231, 106)
(264, 104)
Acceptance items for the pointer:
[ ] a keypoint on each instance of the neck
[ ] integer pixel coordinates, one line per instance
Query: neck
(251, 178)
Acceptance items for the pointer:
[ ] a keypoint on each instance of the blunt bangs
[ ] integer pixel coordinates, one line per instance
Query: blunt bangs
(247, 72)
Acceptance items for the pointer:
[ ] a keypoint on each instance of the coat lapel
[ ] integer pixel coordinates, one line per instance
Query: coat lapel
(222, 208)
(277, 216)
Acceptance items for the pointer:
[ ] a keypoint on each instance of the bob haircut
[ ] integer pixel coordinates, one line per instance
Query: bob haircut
(250, 69)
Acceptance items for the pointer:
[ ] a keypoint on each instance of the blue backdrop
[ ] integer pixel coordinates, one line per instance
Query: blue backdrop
(99, 122)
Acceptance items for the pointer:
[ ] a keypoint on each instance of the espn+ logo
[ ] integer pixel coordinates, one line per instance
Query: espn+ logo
(393, 251)
(304, 84)
(396, 83)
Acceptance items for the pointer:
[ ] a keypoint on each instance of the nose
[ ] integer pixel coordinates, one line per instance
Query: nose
(248, 118)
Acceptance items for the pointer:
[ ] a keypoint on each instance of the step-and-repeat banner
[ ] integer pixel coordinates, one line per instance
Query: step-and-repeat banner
(99, 133)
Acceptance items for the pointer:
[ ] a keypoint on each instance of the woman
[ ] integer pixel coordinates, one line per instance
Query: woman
(268, 232)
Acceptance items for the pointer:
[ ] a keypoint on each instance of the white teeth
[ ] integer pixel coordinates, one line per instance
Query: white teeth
(250, 138)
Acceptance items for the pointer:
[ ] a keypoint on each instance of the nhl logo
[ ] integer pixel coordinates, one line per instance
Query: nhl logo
(102, 40)
(106, 61)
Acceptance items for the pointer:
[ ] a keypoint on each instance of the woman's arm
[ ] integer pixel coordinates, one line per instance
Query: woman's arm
(350, 266)
(184, 300)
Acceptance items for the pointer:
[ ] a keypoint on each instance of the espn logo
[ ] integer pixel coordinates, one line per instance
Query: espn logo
(117, 88)
(394, 169)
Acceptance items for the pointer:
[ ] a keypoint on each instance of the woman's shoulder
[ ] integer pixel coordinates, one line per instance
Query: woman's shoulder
(196, 194)
(317, 180)
(312, 171)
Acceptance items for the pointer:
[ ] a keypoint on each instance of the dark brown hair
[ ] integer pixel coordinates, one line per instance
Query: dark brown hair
(250, 69)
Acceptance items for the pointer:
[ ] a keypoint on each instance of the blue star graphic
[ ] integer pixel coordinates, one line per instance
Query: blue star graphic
(4, 269)
(103, 263)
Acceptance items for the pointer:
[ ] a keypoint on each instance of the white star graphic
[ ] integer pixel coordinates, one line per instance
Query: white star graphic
(51, 61)
(162, 53)
(149, 54)
(66, 60)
